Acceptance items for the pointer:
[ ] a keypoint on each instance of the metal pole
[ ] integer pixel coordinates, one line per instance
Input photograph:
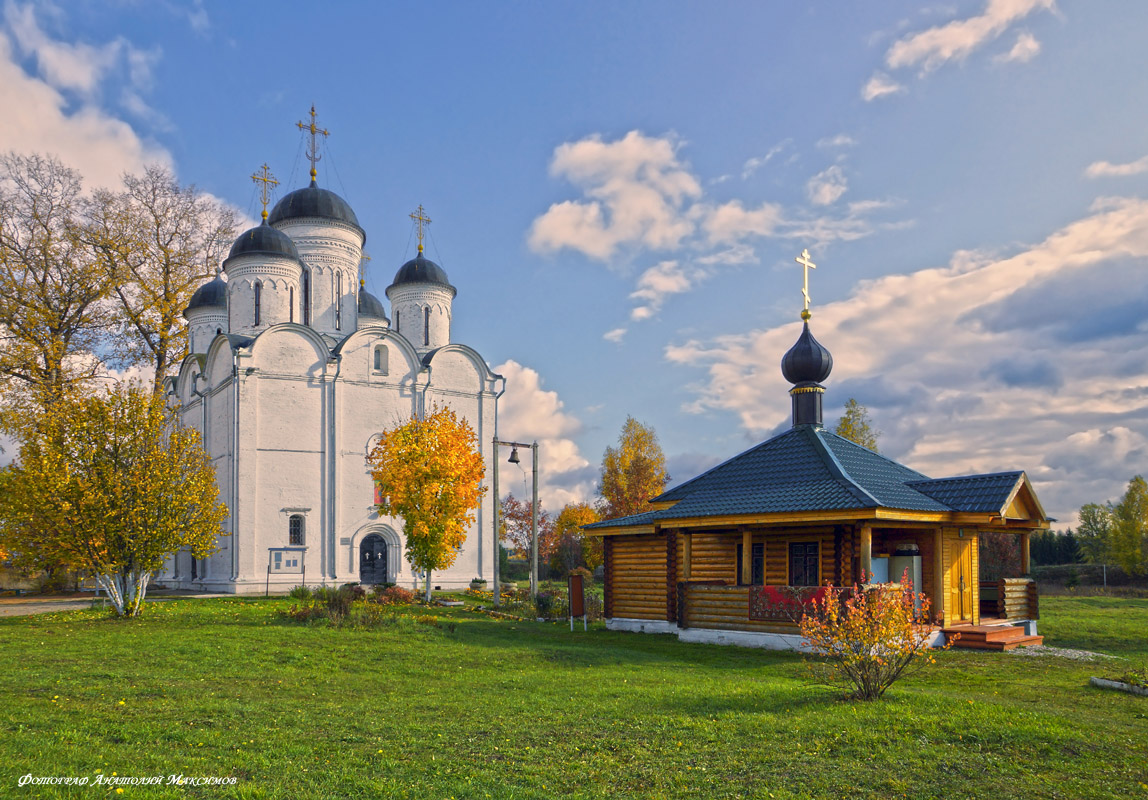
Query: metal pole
(497, 553)
(534, 528)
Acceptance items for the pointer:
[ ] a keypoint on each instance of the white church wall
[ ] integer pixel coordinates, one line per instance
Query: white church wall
(278, 280)
(332, 252)
(203, 325)
(409, 304)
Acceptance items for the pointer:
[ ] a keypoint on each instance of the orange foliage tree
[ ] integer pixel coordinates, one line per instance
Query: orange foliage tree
(633, 472)
(868, 637)
(574, 548)
(516, 519)
(429, 472)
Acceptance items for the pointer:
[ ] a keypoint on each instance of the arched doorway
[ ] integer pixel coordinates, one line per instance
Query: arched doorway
(373, 560)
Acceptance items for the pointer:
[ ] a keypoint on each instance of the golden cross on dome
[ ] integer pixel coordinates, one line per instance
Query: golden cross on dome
(363, 269)
(421, 219)
(804, 261)
(265, 177)
(313, 152)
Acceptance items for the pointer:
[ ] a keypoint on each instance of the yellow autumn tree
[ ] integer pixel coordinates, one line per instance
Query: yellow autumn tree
(429, 472)
(110, 484)
(633, 472)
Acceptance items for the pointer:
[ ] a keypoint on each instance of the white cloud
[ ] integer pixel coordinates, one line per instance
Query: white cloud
(197, 17)
(666, 278)
(1104, 169)
(527, 412)
(614, 335)
(634, 191)
(826, 187)
(840, 140)
(79, 67)
(880, 85)
(1025, 50)
(1024, 361)
(752, 165)
(38, 118)
(955, 40)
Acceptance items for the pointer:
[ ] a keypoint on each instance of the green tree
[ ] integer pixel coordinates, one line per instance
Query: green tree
(856, 426)
(110, 484)
(429, 472)
(1094, 533)
(1128, 533)
(633, 472)
(574, 548)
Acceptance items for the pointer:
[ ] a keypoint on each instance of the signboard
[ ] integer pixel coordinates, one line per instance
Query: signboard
(577, 589)
(285, 561)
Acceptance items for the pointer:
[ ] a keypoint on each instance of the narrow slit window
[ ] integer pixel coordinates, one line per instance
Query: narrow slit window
(291, 304)
(381, 359)
(339, 302)
(426, 326)
(306, 297)
(396, 320)
(258, 301)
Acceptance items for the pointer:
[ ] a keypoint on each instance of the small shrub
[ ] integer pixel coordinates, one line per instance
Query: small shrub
(868, 639)
(545, 604)
(585, 573)
(322, 594)
(427, 619)
(300, 593)
(394, 596)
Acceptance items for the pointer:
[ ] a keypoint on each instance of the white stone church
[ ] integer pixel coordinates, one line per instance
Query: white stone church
(294, 371)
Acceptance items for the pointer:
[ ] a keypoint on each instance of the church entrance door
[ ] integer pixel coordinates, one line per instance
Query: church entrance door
(373, 560)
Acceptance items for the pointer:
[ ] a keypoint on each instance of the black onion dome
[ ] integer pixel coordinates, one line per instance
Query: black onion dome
(369, 305)
(807, 361)
(420, 270)
(263, 240)
(315, 202)
(210, 295)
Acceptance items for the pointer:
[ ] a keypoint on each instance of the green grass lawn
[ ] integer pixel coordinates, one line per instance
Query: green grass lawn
(504, 709)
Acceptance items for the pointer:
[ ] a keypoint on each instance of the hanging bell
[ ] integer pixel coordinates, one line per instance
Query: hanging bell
(513, 456)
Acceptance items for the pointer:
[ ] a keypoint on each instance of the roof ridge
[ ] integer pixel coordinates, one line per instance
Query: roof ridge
(881, 456)
(974, 476)
(836, 468)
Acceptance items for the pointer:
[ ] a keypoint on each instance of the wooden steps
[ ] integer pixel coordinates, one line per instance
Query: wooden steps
(990, 637)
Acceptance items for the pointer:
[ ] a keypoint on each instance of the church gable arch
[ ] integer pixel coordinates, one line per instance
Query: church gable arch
(289, 348)
(456, 366)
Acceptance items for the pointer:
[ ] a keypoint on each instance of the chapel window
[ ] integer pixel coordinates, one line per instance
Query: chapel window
(381, 359)
(295, 530)
(258, 300)
(306, 297)
(339, 301)
(426, 326)
(804, 564)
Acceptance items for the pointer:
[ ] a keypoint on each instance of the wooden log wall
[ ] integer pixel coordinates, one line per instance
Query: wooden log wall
(1018, 598)
(725, 608)
(608, 575)
(714, 557)
(637, 577)
(672, 575)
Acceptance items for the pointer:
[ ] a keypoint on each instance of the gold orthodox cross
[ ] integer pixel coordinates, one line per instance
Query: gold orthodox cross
(420, 219)
(265, 177)
(804, 261)
(313, 152)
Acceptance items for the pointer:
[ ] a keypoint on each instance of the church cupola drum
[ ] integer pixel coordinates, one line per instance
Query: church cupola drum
(421, 296)
(807, 363)
(330, 242)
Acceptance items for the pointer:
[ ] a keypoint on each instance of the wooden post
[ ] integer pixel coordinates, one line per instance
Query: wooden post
(939, 576)
(1024, 552)
(867, 553)
(746, 556)
(687, 555)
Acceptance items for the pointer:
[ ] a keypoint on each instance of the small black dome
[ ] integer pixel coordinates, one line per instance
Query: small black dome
(210, 295)
(369, 305)
(420, 270)
(807, 361)
(263, 240)
(315, 202)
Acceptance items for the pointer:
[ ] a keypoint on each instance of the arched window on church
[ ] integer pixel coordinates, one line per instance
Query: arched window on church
(306, 297)
(339, 301)
(295, 530)
(258, 300)
(397, 320)
(291, 304)
(426, 326)
(381, 359)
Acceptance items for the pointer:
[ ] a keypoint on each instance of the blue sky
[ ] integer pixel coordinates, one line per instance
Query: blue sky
(619, 189)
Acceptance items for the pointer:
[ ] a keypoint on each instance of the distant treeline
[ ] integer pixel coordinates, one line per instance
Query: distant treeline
(1055, 547)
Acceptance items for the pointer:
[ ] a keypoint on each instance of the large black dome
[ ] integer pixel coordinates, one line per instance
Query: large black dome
(420, 270)
(807, 361)
(315, 202)
(210, 295)
(370, 306)
(265, 241)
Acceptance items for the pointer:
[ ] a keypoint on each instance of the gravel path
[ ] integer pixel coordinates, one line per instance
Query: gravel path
(1059, 652)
